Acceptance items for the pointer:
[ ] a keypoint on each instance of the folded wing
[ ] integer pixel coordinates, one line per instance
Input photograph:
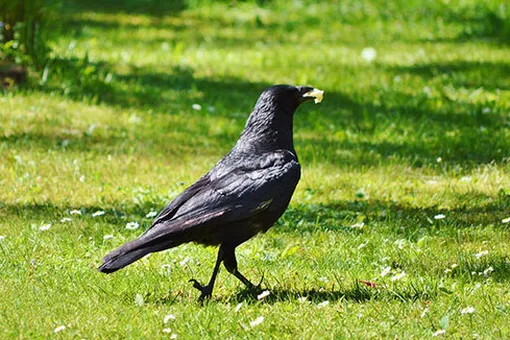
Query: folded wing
(232, 191)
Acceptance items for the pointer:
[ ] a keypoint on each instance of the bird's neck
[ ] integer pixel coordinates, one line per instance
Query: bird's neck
(266, 131)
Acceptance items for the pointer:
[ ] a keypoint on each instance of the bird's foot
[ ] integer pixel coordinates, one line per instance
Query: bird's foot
(206, 291)
(258, 286)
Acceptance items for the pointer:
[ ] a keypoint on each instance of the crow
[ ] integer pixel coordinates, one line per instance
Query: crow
(244, 194)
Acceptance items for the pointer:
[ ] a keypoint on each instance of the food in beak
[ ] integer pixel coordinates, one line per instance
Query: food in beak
(316, 94)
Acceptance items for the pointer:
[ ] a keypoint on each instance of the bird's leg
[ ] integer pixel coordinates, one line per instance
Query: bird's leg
(207, 290)
(230, 262)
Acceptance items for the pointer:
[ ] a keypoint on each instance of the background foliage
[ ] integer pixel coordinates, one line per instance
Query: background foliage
(24, 29)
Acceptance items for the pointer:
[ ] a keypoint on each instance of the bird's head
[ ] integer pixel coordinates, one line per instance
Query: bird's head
(288, 97)
(270, 124)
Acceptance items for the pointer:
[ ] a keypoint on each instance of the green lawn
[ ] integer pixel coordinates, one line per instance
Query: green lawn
(418, 133)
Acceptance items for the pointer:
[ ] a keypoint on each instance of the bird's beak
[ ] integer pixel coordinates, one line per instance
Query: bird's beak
(316, 94)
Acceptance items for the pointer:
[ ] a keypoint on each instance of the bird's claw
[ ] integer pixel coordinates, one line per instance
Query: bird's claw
(260, 282)
(256, 287)
(206, 291)
(196, 284)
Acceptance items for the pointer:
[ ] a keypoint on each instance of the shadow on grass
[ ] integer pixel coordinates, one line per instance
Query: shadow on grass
(118, 142)
(387, 216)
(416, 131)
(328, 218)
(480, 21)
(418, 221)
(389, 126)
(169, 92)
(470, 74)
(415, 127)
(495, 267)
(357, 293)
(175, 32)
(69, 142)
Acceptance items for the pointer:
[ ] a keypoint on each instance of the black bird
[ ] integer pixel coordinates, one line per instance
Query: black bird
(244, 194)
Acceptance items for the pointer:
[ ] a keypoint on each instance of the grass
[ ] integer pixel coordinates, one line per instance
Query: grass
(108, 125)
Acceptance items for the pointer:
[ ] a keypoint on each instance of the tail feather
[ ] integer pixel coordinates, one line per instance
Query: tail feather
(129, 253)
(113, 263)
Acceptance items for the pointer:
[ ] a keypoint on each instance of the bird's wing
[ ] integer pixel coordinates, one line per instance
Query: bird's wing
(170, 210)
(231, 194)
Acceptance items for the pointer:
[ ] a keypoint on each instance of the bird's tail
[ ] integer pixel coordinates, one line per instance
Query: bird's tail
(129, 253)
(118, 259)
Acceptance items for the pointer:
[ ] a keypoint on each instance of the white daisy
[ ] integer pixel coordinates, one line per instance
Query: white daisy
(151, 214)
(263, 295)
(481, 254)
(488, 271)
(257, 321)
(139, 300)
(467, 310)
(302, 299)
(323, 304)
(385, 271)
(369, 54)
(168, 318)
(398, 276)
(45, 227)
(132, 225)
(439, 332)
(359, 225)
(59, 329)
(186, 260)
(425, 311)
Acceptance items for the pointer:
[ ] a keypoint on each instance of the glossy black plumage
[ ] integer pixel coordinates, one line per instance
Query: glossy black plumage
(244, 194)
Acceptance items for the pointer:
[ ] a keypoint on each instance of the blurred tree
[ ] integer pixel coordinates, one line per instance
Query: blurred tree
(148, 7)
(21, 22)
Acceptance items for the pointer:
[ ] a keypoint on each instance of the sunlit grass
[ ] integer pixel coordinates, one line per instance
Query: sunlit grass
(418, 133)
